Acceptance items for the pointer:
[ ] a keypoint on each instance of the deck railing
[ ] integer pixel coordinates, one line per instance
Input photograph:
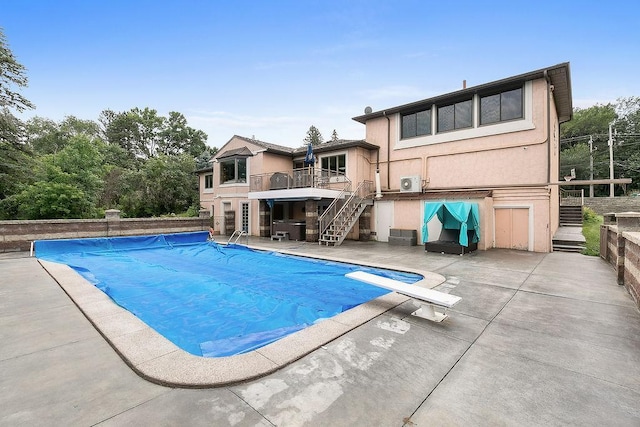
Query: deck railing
(363, 191)
(299, 178)
(571, 197)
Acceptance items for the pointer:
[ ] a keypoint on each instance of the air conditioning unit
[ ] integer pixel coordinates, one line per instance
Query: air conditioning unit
(410, 184)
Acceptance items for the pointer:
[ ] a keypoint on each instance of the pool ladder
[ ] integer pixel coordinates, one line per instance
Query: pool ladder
(238, 234)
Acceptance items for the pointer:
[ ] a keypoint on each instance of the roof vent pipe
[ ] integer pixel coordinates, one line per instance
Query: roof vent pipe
(464, 84)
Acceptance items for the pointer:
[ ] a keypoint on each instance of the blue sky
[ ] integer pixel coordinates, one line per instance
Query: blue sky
(271, 69)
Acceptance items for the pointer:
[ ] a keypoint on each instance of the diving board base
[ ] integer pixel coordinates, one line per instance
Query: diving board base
(427, 299)
(429, 312)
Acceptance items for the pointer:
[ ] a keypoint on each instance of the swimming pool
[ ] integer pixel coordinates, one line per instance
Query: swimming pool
(213, 300)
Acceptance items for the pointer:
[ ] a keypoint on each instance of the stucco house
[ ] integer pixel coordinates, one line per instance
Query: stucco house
(494, 145)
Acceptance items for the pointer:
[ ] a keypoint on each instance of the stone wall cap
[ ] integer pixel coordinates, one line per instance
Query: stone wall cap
(628, 215)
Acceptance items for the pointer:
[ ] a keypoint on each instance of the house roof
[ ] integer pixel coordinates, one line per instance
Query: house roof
(557, 75)
(273, 148)
(336, 145)
(292, 152)
(243, 151)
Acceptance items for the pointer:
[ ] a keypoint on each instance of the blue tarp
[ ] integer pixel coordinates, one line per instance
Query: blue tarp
(214, 300)
(461, 216)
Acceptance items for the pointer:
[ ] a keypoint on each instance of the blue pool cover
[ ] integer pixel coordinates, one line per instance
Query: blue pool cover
(213, 300)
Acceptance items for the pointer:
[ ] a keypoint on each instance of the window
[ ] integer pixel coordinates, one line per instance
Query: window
(416, 124)
(208, 181)
(233, 170)
(335, 164)
(501, 107)
(455, 116)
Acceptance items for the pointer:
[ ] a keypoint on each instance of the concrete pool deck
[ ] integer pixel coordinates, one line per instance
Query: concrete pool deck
(537, 339)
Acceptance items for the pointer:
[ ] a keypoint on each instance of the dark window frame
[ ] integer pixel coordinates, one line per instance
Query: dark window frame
(338, 169)
(500, 105)
(208, 181)
(414, 116)
(455, 124)
(237, 169)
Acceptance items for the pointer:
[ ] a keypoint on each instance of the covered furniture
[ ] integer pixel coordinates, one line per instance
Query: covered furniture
(460, 227)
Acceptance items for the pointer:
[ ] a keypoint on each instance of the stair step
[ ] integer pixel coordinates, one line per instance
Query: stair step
(567, 248)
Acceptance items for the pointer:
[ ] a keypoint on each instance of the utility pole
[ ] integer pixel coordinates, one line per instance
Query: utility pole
(611, 159)
(591, 165)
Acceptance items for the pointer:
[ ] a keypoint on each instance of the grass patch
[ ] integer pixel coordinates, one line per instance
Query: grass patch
(591, 231)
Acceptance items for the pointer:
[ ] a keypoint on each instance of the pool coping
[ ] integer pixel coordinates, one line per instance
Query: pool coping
(156, 359)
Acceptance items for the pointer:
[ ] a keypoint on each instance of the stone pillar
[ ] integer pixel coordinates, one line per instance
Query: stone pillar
(229, 222)
(311, 214)
(113, 222)
(364, 225)
(112, 214)
(626, 221)
(265, 219)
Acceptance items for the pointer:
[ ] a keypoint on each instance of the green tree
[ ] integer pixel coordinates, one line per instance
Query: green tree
(14, 157)
(334, 136)
(47, 200)
(45, 136)
(69, 181)
(145, 134)
(12, 74)
(592, 124)
(165, 184)
(313, 136)
(589, 121)
(178, 138)
(171, 185)
(202, 160)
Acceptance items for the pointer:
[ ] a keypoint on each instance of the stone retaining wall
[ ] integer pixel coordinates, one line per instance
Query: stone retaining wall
(602, 205)
(631, 269)
(620, 247)
(18, 235)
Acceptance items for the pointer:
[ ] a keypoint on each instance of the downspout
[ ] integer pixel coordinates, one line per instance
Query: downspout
(384, 113)
(546, 77)
(549, 231)
(377, 176)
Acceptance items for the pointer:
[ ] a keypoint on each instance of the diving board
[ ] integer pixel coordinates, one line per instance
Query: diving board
(427, 298)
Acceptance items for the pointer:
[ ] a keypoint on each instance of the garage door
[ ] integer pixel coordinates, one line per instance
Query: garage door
(512, 228)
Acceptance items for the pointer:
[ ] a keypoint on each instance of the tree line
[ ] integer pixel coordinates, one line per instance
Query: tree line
(585, 140)
(137, 161)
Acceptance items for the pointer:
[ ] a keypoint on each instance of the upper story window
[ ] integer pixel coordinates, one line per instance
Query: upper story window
(416, 124)
(501, 107)
(233, 170)
(335, 164)
(208, 181)
(455, 116)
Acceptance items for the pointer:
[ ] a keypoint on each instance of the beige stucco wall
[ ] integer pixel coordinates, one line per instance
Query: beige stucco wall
(468, 158)
(233, 195)
(514, 163)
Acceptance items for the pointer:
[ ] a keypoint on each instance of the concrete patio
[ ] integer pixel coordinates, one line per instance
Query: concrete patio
(538, 339)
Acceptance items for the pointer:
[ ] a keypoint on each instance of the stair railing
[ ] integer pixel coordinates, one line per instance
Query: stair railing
(348, 207)
(571, 197)
(325, 220)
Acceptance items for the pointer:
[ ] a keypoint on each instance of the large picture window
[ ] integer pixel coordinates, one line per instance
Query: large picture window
(455, 116)
(501, 107)
(334, 165)
(416, 124)
(233, 170)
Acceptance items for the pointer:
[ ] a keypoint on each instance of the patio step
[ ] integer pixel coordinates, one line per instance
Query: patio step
(569, 239)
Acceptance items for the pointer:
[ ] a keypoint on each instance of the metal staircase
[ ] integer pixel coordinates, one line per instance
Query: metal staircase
(342, 214)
